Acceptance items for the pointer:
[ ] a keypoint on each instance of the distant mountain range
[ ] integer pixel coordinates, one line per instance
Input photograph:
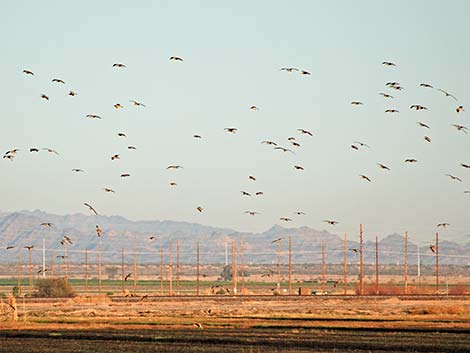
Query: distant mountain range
(23, 228)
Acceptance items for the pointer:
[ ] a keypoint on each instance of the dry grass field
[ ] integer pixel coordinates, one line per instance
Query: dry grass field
(236, 324)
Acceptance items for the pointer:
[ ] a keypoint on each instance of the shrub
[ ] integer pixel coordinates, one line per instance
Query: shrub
(54, 288)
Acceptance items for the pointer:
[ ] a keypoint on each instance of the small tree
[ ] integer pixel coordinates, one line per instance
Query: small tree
(54, 288)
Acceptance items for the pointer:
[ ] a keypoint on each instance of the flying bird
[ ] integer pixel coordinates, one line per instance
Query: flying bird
(433, 248)
(305, 132)
(58, 80)
(115, 156)
(386, 95)
(392, 111)
(254, 107)
(199, 208)
(50, 150)
(244, 193)
(131, 147)
(459, 109)
(46, 224)
(42, 270)
(99, 231)
(423, 125)
(425, 85)
(443, 225)
(197, 136)
(465, 165)
(289, 69)
(283, 149)
(411, 160)
(453, 177)
(72, 93)
(44, 97)
(427, 139)
(298, 167)
(252, 177)
(90, 207)
(331, 222)
(125, 175)
(388, 63)
(362, 144)
(118, 106)
(285, 219)
(259, 193)
(121, 134)
(418, 107)
(173, 183)
(460, 128)
(119, 65)
(383, 166)
(231, 129)
(304, 72)
(354, 147)
(295, 144)
(354, 250)
(276, 240)
(267, 142)
(139, 104)
(365, 177)
(447, 94)
(198, 325)
(108, 190)
(93, 116)
(27, 72)
(29, 247)
(129, 275)
(176, 58)
(300, 213)
(10, 247)
(251, 213)
(174, 167)
(357, 103)
(9, 157)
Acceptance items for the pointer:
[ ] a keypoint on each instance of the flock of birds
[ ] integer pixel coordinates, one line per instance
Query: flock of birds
(292, 140)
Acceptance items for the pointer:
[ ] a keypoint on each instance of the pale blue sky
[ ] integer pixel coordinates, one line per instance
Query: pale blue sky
(232, 55)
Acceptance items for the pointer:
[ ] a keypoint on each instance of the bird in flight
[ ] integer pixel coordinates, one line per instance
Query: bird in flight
(386, 95)
(90, 207)
(46, 224)
(77, 170)
(121, 134)
(304, 72)
(119, 65)
(383, 166)
(50, 150)
(411, 160)
(330, 222)
(259, 193)
(295, 144)
(27, 72)
(427, 139)
(197, 136)
(388, 63)
(276, 240)
(357, 103)
(109, 190)
(305, 132)
(425, 85)
(453, 177)
(433, 248)
(176, 58)
(252, 177)
(460, 128)
(418, 107)
(423, 125)
(129, 275)
(131, 147)
(9, 157)
(42, 270)
(58, 80)
(152, 238)
(267, 142)
(93, 116)
(392, 111)
(72, 93)
(285, 219)
(354, 147)
(174, 167)
(354, 250)
(43, 96)
(231, 129)
(447, 94)
(198, 325)
(443, 225)
(254, 107)
(172, 183)
(125, 175)
(300, 213)
(10, 247)
(459, 109)
(118, 106)
(139, 104)
(298, 167)
(283, 149)
(365, 177)
(289, 69)
(362, 144)
(99, 231)
(115, 156)
(244, 193)
(29, 247)
(465, 165)
(251, 213)
(199, 208)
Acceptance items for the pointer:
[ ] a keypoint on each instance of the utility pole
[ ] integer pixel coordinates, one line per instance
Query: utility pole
(66, 262)
(234, 267)
(177, 266)
(161, 269)
(345, 263)
(123, 274)
(419, 268)
(323, 275)
(376, 265)
(290, 265)
(279, 264)
(197, 269)
(86, 271)
(52, 262)
(361, 264)
(170, 268)
(30, 250)
(226, 252)
(437, 263)
(19, 271)
(99, 266)
(43, 258)
(135, 269)
(242, 255)
(406, 262)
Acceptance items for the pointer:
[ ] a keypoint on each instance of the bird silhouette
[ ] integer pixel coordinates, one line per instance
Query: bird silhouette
(93, 116)
(388, 63)
(289, 69)
(46, 224)
(298, 167)
(276, 240)
(244, 193)
(44, 96)
(443, 225)
(459, 109)
(115, 156)
(425, 85)
(174, 167)
(139, 104)
(427, 139)
(50, 150)
(199, 208)
(418, 107)
(305, 132)
(72, 93)
(331, 222)
(125, 175)
(460, 128)
(99, 231)
(365, 177)
(109, 190)
(386, 95)
(453, 177)
(423, 125)
(90, 207)
(267, 142)
(176, 58)
(251, 213)
(27, 72)
(285, 219)
(283, 149)
(129, 275)
(447, 94)
(411, 160)
(119, 65)
(383, 166)
(58, 80)
(231, 129)
(252, 177)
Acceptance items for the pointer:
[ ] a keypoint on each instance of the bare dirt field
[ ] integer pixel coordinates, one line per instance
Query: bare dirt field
(239, 324)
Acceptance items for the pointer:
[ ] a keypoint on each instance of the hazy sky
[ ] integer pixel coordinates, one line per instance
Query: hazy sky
(232, 55)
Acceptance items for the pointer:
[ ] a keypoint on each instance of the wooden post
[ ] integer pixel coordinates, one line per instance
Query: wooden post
(99, 266)
(161, 269)
(170, 268)
(376, 265)
(234, 267)
(345, 264)
(242, 255)
(197, 270)
(437, 263)
(135, 269)
(361, 264)
(279, 264)
(86, 271)
(43, 258)
(30, 270)
(66, 262)
(323, 274)
(19, 271)
(123, 273)
(290, 264)
(177, 266)
(406, 263)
